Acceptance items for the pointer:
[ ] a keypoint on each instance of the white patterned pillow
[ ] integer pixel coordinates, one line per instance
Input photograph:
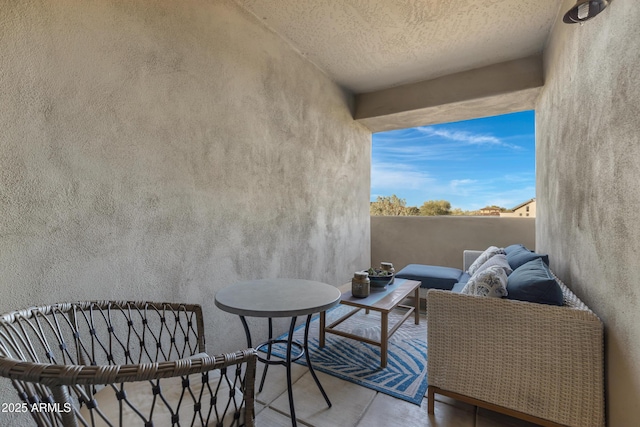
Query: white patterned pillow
(484, 257)
(491, 282)
(496, 260)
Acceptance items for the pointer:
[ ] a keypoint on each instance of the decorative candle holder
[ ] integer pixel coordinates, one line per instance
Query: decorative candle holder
(360, 284)
(387, 266)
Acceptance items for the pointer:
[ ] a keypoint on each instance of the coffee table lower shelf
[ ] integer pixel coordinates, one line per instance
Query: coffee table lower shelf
(384, 303)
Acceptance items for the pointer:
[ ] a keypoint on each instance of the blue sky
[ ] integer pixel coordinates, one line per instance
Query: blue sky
(472, 164)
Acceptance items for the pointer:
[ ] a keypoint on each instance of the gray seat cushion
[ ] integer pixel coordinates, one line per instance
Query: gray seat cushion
(464, 278)
(458, 287)
(431, 276)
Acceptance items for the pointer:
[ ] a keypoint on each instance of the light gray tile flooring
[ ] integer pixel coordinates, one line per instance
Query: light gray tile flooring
(356, 406)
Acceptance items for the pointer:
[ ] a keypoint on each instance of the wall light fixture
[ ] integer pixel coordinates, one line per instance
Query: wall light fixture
(584, 10)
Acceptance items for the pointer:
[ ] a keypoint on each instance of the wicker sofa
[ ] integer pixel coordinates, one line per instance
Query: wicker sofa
(537, 362)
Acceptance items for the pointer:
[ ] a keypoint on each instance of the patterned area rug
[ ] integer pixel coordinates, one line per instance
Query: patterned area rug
(405, 376)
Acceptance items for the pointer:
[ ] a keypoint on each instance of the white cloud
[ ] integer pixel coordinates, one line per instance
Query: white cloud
(397, 175)
(523, 177)
(462, 182)
(466, 137)
(400, 151)
(510, 198)
(464, 187)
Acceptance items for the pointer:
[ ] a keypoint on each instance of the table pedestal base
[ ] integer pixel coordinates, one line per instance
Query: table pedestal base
(290, 357)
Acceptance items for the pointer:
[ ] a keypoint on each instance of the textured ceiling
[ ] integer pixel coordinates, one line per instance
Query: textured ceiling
(368, 45)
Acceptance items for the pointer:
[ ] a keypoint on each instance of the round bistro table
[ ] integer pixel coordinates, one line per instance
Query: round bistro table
(280, 298)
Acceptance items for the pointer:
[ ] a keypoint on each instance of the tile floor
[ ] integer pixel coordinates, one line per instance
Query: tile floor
(354, 405)
(357, 406)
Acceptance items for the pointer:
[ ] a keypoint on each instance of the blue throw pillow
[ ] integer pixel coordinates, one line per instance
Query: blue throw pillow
(518, 255)
(512, 248)
(533, 282)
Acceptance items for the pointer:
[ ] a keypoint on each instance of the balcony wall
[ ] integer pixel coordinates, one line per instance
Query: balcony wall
(440, 240)
(588, 170)
(163, 150)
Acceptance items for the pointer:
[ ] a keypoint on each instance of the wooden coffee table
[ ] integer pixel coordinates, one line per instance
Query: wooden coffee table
(381, 301)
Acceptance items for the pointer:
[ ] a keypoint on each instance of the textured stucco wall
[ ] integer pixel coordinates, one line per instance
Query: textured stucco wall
(588, 192)
(440, 240)
(164, 149)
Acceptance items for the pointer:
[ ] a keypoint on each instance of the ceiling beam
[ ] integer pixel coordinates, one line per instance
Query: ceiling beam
(488, 91)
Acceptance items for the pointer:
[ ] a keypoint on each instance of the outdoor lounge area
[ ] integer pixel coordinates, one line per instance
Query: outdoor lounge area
(166, 150)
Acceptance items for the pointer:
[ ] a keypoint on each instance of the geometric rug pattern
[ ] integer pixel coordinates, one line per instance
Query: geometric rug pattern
(405, 376)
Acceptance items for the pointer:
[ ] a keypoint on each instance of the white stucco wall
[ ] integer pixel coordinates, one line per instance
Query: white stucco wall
(162, 150)
(588, 175)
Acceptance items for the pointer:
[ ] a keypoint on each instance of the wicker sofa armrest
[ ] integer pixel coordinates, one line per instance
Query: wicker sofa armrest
(546, 361)
(468, 257)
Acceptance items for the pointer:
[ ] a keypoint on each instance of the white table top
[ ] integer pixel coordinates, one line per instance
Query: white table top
(277, 297)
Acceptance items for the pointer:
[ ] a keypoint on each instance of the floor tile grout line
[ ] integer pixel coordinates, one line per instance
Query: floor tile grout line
(285, 392)
(359, 420)
(474, 411)
(366, 410)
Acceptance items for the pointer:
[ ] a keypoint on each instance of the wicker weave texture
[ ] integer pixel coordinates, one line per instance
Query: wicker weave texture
(64, 358)
(546, 361)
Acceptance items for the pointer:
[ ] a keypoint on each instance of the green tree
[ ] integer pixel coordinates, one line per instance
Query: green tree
(391, 206)
(435, 207)
(413, 211)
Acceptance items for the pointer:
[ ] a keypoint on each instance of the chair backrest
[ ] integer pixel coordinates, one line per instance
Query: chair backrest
(103, 332)
(76, 361)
